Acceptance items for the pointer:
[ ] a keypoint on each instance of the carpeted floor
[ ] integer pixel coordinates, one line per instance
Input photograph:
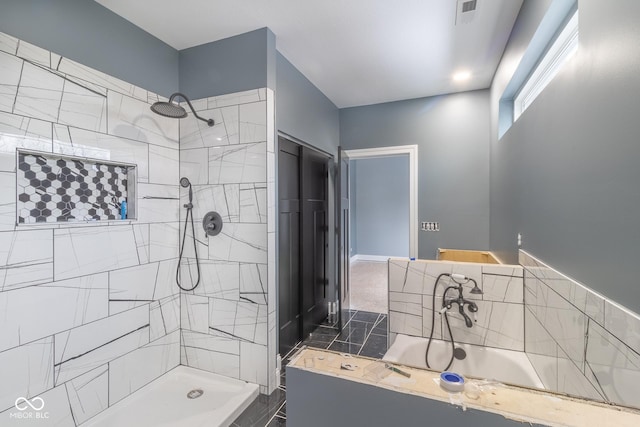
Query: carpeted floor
(369, 286)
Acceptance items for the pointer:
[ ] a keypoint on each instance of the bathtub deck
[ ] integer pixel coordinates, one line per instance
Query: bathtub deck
(163, 402)
(511, 402)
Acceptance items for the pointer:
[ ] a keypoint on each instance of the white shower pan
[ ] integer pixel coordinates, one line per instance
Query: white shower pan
(164, 402)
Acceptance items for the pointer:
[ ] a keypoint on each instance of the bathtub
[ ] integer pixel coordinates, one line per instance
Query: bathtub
(512, 367)
(164, 402)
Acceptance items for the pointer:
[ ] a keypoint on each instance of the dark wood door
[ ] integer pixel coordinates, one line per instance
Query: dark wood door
(313, 232)
(289, 244)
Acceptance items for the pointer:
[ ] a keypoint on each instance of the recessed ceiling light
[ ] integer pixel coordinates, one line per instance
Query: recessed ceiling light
(461, 76)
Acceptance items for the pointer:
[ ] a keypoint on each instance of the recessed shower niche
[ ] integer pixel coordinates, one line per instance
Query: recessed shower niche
(53, 188)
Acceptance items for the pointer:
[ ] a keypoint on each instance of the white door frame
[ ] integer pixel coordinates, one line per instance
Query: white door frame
(412, 151)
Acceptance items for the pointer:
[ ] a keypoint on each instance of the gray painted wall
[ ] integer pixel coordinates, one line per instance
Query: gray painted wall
(381, 194)
(566, 174)
(234, 64)
(94, 36)
(304, 112)
(452, 134)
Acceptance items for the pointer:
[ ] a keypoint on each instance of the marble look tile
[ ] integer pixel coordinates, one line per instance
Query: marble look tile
(194, 164)
(33, 53)
(239, 319)
(210, 342)
(164, 165)
(10, 72)
(8, 43)
(7, 201)
(271, 193)
(398, 270)
(253, 122)
(162, 241)
(141, 237)
(234, 98)
(83, 143)
(26, 258)
(21, 132)
(198, 134)
(158, 203)
(38, 311)
(428, 317)
(499, 325)
(253, 363)
(194, 311)
(86, 347)
(623, 324)
(537, 339)
(78, 72)
(224, 199)
(134, 370)
(253, 286)
(219, 279)
(131, 118)
(39, 94)
(57, 407)
(164, 317)
(405, 303)
(565, 323)
(503, 288)
(240, 242)
(83, 108)
(572, 381)
(271, 121)
(612, 367)
(212, 361)
(83, 251)
(245, 163)
(253, 203)
(26, 371)
(403, 323)
(502, 270)
(89, 393)
(546, 368)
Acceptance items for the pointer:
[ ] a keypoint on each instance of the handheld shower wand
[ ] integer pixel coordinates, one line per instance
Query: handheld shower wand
(184, 182)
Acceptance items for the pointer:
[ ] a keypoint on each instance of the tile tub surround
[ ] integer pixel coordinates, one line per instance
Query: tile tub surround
(228, 322)
(89, 312)
(578, 341)
(500, 316)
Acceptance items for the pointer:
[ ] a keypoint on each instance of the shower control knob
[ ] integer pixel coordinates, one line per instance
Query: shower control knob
(212, 223)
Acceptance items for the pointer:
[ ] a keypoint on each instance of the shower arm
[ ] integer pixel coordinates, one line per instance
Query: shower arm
(210, 122)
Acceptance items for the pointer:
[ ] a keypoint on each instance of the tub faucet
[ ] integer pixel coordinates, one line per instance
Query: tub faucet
(447, 303)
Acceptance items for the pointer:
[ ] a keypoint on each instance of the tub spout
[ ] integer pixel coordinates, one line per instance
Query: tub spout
(467, 319)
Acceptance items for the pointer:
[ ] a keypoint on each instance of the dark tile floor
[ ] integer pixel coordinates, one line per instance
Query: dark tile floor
(365, 334)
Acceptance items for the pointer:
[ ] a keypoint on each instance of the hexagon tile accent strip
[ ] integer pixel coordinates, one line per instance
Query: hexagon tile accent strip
(56, 189)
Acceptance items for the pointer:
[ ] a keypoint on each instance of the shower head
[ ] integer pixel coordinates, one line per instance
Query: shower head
(175, 111)
(476, 290)
(184, 181)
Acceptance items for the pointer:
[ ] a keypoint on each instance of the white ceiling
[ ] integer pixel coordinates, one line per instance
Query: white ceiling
(357, 52)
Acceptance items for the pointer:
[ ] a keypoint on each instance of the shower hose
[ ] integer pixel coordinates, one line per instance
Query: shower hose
(195, 249)
(433, 321)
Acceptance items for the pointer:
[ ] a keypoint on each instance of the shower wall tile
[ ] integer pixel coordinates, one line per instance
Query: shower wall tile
(88, 287)
(164, 317)
(212, 361)
(133, 370)
(240, 242)
(26, 371)
(210, 342)
(36, 312)
(198, 134)
(84, 251)
(57, 407)
(405, 303)
(163, 165)
(403, 323)
(194, 311)
(224, 199)
(253, 122)
(244, 163)
(253, 203)
(26, 258)
(236, 98)
(253, 282)
(158, 203)
(195, 165)
(86, 347)
(129, 117)
(253, 363)
(502, 288)
(89, 394)
(596, 339)
(239, 319)
(219, 279)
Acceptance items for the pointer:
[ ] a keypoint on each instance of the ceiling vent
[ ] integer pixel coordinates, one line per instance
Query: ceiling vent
(466, 11)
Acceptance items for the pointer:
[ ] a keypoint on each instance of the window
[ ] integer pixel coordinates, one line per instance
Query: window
(560, 50)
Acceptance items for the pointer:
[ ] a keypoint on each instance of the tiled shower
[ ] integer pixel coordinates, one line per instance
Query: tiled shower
(90, 308)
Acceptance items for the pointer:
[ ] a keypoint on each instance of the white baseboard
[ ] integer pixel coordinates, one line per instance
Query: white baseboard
(379, 258)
